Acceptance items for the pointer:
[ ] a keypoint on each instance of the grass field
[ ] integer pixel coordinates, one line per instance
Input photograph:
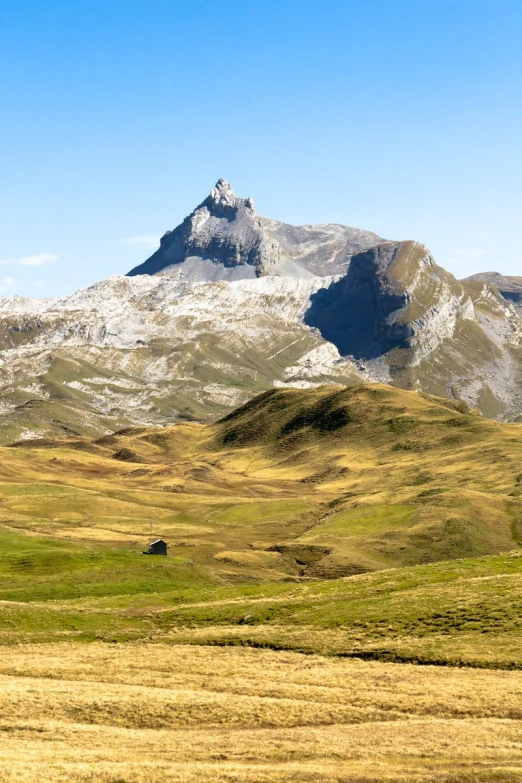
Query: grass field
(149, 713)
(322, 545)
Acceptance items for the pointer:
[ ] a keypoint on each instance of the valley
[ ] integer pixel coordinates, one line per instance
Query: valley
(302, 498)
(342, 593)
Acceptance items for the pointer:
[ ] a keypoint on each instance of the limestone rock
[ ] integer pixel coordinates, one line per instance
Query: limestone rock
(224, 238)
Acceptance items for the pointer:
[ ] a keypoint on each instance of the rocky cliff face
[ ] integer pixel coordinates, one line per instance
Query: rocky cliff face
(233, 304)
(403, 319)
(509, 287)
(225, 239)
(393, 297)
(152, 350)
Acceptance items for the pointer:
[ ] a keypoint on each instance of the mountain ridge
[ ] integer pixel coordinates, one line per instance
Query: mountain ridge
(225, 230)
(509, 286)
(204, 333)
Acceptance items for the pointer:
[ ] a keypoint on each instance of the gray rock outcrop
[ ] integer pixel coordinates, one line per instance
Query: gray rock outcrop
(509, 286)
(393, 296)
(224, 238)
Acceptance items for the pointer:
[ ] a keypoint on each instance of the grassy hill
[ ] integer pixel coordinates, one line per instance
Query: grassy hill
(387, 522)
(320, 543)
(295, 484)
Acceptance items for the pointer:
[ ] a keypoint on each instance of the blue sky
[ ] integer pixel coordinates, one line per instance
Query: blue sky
(117, 117)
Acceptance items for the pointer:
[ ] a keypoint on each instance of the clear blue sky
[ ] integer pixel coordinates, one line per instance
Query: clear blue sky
(117, 117)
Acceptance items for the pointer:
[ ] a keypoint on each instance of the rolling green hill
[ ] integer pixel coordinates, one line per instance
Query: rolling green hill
(367, 520)
(295, 484)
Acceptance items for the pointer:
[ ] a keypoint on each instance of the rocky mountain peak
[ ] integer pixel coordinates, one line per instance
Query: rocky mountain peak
(222, 200)
(224, 239)
(222, 188)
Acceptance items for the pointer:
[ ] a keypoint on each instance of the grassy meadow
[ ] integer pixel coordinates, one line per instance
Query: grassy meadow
(140, 712)
(322, 546)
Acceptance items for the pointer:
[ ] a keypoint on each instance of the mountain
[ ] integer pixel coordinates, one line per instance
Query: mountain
(233, 304)
(224, 239)
(154, 349)
(509, 287)
(407, 321)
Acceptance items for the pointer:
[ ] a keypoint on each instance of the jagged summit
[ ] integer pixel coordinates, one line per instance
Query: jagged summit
(221, 239)
(223, 201)
(224, 239)
(295, 306)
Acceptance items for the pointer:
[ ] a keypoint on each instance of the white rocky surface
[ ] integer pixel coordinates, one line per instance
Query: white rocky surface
(148, 349)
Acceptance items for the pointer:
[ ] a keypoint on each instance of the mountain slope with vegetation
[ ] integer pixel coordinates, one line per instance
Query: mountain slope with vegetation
(295, 484)
(233, 304)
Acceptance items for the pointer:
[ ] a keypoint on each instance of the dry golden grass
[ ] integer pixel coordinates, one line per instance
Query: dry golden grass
(143, 713)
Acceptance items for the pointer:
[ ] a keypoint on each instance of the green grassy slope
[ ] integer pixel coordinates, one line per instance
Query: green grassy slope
(466, 611)
(295, 484)
(367, 521)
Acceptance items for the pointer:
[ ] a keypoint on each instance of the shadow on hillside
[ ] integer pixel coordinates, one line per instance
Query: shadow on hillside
(357, 315)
